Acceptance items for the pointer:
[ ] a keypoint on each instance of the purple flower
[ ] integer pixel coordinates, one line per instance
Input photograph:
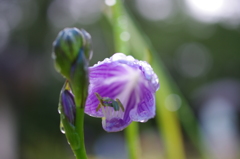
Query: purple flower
(122, 89)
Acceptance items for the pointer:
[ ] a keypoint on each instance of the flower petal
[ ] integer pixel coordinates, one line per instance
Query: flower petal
(146, 106)
(104, 90)
(105, 70)
(100, 83)
(118, 123)
(130, 81)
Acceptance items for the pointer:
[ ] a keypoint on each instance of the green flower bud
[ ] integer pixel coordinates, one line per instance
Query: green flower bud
(87, 44)
(67, 47)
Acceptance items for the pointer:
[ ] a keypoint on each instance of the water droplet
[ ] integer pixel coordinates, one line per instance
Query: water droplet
(130, 58)
(142, 121)
(125, 36)
(118, 57)
(155, 82)
(148, 72)
(62, 128)
(110, 2)
(59, 110)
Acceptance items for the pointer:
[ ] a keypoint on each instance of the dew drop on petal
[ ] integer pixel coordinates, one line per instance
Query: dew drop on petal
(130, 59)
(148, 73)
(118, 57)
(142, 121)
(155, 82)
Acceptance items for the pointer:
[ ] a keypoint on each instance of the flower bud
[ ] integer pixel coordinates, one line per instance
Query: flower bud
(67, 104)
(67, 47)
(87, 44)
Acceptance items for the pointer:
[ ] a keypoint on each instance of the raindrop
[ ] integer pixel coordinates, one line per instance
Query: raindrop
(118, 57)
(142, 121)
(62, 128)
(59, 110)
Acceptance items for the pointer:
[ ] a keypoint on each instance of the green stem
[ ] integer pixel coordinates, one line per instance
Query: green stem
(80, 152)
(132, 137)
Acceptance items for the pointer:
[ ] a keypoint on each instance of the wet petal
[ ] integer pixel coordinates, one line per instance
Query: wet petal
(131, 81)
(120, 121)
(68, 105)
(105, 90)
(146, 106)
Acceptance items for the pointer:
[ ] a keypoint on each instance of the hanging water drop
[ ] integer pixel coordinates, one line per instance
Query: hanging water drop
(62, 128)
(59, 110)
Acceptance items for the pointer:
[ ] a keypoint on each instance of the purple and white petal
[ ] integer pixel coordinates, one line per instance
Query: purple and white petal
(131, 81)
(146, 105)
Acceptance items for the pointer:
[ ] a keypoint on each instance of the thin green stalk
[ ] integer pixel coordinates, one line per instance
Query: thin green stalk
(132, 137)
(75, 134)
(80, 152)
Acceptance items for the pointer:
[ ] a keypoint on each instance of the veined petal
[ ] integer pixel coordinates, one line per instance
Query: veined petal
(68, 105)
(104, 90)
(118, 122)
(122, 78)
(146, 106)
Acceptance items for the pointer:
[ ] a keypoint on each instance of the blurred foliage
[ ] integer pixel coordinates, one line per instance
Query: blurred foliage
(28, 79)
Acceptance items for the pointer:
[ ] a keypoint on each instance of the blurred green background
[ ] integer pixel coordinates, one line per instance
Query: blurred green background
(197, 40)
